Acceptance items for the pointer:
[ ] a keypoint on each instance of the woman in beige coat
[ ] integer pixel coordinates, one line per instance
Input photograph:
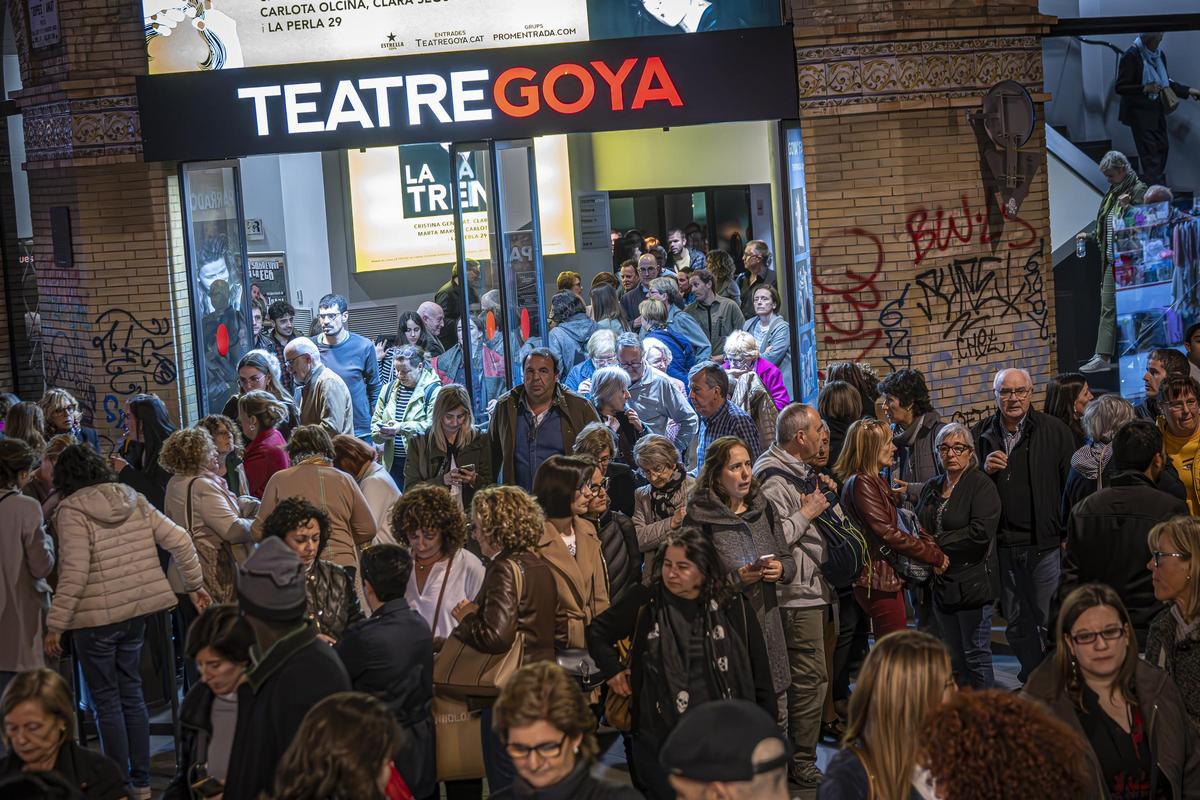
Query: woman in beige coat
(109, 583)
(199, 500)
(26, 558)
(564, 486)
(313, 477)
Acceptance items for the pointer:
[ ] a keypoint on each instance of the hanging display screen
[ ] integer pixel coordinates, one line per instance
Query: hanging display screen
(204, 35)
(403, 214)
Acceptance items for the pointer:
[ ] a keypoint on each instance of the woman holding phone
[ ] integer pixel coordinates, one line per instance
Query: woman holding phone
(403, 408)
(453, 453)
(728, 505)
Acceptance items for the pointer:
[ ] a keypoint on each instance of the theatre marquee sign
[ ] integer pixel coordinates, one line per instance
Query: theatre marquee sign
(466, 96)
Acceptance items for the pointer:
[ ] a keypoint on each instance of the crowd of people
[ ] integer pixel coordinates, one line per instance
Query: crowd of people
(377, 591)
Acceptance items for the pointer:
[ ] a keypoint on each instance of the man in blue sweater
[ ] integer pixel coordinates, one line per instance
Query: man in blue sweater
(352, 357)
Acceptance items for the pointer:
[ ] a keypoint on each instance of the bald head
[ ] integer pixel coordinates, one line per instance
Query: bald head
(648, 269)
(1158, 194)
(432, 315)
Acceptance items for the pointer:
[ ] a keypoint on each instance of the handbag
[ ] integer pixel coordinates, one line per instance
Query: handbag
(458, 739)
(579, 664)
(905, 567)
(216, 561)
(462, 671)
(1168, 98)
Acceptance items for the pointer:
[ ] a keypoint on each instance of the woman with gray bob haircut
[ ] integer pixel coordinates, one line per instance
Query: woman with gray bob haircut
(598, 442)
(659, 507)
(610, 396)
(960, 509)
(1091, 465)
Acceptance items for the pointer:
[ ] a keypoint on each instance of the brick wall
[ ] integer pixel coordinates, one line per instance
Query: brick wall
(914, 264)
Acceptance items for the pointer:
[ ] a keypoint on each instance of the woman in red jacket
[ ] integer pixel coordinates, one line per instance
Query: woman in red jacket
(259, 415)
(867, 452)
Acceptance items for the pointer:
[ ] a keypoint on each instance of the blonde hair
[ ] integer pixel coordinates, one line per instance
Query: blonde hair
(188, 451)
(263, 407)
(26, 422)
(901, 682)
(1185, 533)
(509, 517)
(864, 440)
(741, 343)
(451, 397)
(56, 399)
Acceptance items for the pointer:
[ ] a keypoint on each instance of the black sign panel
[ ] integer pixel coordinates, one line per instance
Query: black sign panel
(508, 93)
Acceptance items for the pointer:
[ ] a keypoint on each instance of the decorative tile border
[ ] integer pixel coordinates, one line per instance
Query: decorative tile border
(86, 128)
(875, 72)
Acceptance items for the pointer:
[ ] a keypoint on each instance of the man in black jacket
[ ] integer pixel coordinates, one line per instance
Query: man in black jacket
(390, 656)
(292, 669)
(1141, 79)
(1028, 454)
(1106, 536)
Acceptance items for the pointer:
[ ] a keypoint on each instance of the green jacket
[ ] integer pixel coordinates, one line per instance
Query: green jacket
(426, 464)
(717, 320)
(575, 413)
(416, 416)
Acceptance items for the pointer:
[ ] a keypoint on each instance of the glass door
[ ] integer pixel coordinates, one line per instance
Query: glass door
(215, 230)
(499, 249)
(794, 264)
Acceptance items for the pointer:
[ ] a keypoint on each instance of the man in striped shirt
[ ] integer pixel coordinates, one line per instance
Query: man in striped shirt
(709, 392)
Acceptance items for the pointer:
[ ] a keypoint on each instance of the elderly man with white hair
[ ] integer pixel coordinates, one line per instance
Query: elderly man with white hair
(324, 396)
(1028, 455)
(434, 318)
(657, 402)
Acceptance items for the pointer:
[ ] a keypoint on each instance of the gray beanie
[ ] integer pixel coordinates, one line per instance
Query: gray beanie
(270, 585)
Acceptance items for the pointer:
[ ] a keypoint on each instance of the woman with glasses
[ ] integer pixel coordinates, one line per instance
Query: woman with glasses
(444, 572)
(259, 371)
(1173, 643)
(601, 352)
(547, 729)
(227, 437)
(677, 659)
(903, 679)
(598, 442)
(746, 388)
(879, 591)
(659, 507)
(610, 396)
(1130, 712)
(62, 415)
(404, 408)
(570, 544)
(961, 510)
(742, 356)
(618, 539)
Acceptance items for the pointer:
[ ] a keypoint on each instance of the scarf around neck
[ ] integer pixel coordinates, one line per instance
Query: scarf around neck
(1109, 203)
(661, 500)
(1154, 67)
(667, 666)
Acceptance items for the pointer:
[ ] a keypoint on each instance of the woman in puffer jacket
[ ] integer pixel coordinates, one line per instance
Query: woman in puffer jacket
(109, 583)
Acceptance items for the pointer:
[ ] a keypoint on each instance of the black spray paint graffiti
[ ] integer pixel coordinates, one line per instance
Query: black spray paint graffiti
(136, 354)
(973, 416)
(965, 302)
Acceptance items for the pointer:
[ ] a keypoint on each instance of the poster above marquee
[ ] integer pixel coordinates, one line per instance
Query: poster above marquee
(201, 35)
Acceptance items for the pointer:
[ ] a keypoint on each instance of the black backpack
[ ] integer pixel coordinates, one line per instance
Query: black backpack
(845, 546)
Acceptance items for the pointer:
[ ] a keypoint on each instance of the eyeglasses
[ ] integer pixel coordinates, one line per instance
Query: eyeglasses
(957, 449)
(1109, 634)
(329, 315)
(604, 361)
(1159, 555)
(546, 750)
(1020, 393)
(599, 487)
(628, 365)
(244, 382)
(1185, 405)
(290, 361)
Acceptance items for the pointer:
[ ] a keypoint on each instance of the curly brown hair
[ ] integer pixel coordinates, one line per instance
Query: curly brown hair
(544, 692)
(188, 451)
(509, 517)
(429, 508)
(988, 743)
(214, 423)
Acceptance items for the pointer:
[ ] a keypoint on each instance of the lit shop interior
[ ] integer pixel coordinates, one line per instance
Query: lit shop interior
(381, 227)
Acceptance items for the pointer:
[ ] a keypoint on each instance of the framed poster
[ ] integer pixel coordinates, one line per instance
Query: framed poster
(268, 276)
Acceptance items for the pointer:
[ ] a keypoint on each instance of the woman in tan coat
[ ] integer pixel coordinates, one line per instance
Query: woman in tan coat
(564, 486)
(313, 477)
(109, 583)
(199, 500)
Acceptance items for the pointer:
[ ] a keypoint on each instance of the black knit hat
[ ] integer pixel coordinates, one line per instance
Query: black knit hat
(270, 585)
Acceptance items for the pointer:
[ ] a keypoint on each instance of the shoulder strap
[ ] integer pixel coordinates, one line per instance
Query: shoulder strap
(8, 494)
(437, 609)
(190, 526)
